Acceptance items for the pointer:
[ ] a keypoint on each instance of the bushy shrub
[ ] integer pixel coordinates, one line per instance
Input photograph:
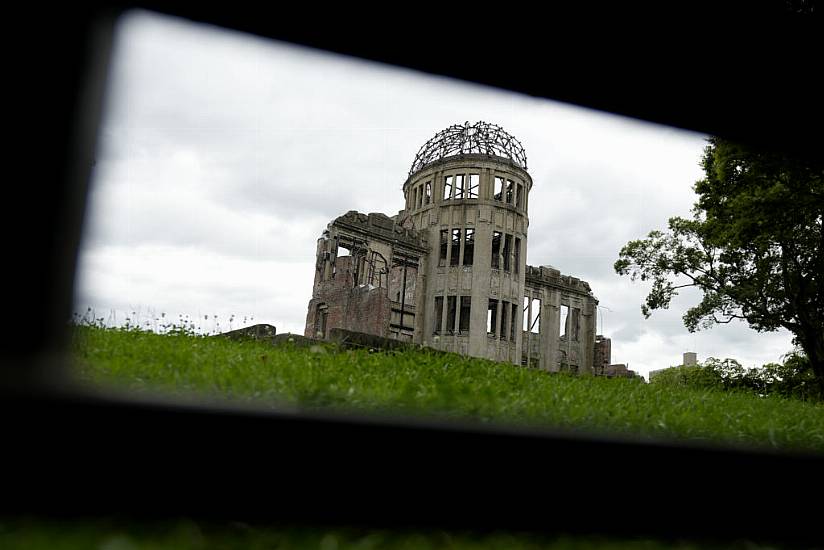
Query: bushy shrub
(793, 378)
(693, 376)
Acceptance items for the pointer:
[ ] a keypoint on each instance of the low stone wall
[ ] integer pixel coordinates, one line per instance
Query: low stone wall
(256, 332)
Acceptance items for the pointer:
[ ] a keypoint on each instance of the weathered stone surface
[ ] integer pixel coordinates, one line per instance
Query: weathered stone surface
(256, 332)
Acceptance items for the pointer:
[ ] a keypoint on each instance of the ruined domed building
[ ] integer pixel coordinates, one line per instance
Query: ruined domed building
(449, 270)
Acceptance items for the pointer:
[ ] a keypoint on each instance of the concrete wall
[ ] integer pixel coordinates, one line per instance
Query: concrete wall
(557, 347)
(363, 290)
(479, 281)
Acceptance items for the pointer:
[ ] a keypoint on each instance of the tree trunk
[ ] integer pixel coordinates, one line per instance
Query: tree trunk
(812, 342)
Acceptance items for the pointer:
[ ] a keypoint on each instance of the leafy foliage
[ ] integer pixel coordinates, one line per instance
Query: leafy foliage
(791, 379)
(754, 247)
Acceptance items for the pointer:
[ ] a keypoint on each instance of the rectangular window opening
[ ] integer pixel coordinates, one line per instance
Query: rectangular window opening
(444, 247)
(459, 186)
(469, 247)
(520, 196)
(526, 314)
(504, 321)
(436, 329)
(491, 317)
(510, 191)
(466, 308)
(418, 196)
(427, 198)
(517, 255)
(447, 188)
(499, 189)
(496, 249)
(564, 326)
(456, 247)
(450, 313)
(535, 327)
(474, 185)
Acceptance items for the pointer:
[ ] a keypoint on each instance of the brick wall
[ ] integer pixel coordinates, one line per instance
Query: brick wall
(364, 308)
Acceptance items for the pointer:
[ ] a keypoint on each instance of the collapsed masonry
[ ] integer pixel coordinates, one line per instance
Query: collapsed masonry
(449, 270)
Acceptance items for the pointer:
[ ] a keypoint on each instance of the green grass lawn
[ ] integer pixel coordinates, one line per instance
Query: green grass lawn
(412, 383)
(435, 385)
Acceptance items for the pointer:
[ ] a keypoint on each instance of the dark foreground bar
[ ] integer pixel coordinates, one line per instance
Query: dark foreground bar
(95, 456)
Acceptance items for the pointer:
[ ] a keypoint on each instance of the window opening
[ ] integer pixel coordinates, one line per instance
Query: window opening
(459, 186)
(320, 320)
(378, 270)
(535, 327)
(428, 194)
(491, 317)
(444, 245)
(510, 191)
(504, 321)
(456, 247)
(499, 189)
(450, 313)
(526, 314)
(564, 321)
(418, 196)
(520, 196)
(474, 184)
(447, 188)
(496, 249)
(466, 307)
(469, 247)
(438, 315)
(517, 255)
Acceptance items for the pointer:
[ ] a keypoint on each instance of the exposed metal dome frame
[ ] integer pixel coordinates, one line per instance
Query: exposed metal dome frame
(461, 139)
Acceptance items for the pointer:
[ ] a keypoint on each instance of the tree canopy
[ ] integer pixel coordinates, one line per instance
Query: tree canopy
(754, 247)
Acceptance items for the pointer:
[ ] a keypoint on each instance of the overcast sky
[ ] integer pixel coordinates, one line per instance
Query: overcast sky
(223, 156)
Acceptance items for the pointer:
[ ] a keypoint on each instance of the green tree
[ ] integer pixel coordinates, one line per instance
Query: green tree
(754, 247)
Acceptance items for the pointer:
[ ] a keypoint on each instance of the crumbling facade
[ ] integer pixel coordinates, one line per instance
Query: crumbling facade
(449, 270)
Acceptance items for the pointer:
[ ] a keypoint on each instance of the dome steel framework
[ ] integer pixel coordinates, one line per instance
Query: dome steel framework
(461, 139)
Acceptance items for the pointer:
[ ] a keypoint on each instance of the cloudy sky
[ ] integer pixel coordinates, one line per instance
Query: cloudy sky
(223, 156)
